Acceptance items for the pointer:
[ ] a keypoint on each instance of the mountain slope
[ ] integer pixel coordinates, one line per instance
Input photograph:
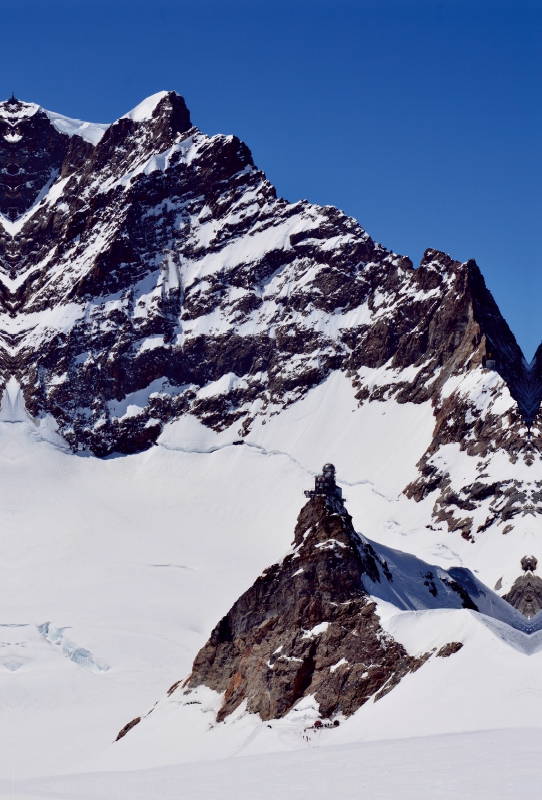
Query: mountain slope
(159, 261)
(155, 275)
(160, 306)
(136, 558)
(326, 634)
(305, 628)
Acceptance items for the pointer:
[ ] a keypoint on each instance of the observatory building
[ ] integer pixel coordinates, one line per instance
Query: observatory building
(324, 484)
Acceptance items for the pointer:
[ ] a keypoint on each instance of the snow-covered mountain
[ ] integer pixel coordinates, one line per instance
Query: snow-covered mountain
(149, 271)
(181, 351)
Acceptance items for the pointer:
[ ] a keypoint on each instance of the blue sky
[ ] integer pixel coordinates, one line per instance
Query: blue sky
(422, 119)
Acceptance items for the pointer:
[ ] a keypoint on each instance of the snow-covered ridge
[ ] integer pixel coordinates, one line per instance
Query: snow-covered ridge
(93, 131)
(89, 131)
(144, 111)
(409, 584)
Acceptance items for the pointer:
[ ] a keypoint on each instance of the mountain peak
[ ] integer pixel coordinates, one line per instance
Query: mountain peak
(309, 625)
(14, 109)
(306, 627)
(170, 103)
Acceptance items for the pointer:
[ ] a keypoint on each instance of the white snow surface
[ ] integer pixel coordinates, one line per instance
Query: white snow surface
(115, 571)
(143, 110)
(89, 131)
(488, 765)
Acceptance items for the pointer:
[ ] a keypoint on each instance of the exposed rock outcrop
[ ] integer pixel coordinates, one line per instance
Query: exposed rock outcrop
(159, 258)
(128, 727)
(306, 627)
(449, 649)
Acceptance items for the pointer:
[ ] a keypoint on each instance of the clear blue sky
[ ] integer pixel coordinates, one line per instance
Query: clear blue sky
(420, 118)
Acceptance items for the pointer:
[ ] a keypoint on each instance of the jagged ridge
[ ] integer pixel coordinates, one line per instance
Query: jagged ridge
(161, 256)
(156, 274)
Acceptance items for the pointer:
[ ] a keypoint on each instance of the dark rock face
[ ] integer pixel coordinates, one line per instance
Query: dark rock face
(166, 256)
(306, 627)
(128, 727)
(32, 152)
(529, 563)
(449, 649)
(526, 595)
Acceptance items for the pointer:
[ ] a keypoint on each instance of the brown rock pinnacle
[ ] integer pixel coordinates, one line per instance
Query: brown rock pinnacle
(306, 627)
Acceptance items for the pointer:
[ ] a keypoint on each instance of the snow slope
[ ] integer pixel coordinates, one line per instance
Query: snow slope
(377, 448)
(131, 559)
(135, 558)
(489, 765)
(89, 131)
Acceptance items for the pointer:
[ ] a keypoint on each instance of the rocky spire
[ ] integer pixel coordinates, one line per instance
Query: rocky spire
(306, 627)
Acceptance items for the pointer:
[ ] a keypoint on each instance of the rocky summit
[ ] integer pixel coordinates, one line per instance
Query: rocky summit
(306, 627)
(149, 272)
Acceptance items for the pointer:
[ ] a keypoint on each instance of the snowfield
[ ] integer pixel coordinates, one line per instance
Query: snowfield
(115, 571)
(492, 765)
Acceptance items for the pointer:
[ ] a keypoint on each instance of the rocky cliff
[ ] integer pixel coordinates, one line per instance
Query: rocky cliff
(526, 591)
(306, 627)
